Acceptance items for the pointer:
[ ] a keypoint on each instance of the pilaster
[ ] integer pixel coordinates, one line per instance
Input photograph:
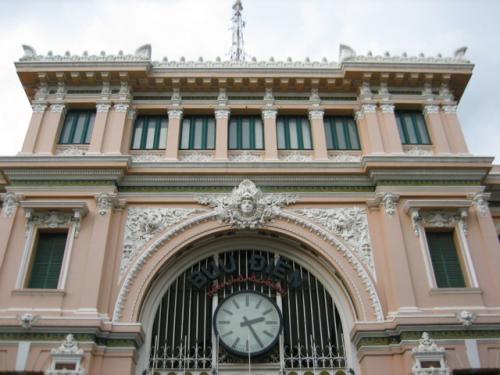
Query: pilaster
(222, 118)
(34, 128)
(173, 134)
(318, 133)
(7, 218)
(49, 129)
(369, 129)
(115, 129)
(269, 117)
(436, 129)
(453, 130)
(101, 117)
(389, 129)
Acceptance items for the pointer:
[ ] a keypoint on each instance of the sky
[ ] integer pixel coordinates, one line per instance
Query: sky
(278, 28)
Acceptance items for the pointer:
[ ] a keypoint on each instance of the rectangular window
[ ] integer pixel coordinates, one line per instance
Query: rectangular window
(77, 128)
(246, 133)
(198, 133)
(47, 262)
(150, 133)
(294, 133)
(445, 260)
(341, 133)
(412, 129)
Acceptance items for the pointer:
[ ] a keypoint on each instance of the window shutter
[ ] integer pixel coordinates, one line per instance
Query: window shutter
(48, 260)
(445, 261)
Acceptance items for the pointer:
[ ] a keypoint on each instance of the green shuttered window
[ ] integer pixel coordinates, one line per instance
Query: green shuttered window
(294, 133)
(46, 266)
(150, 133)
(341, 133)
(246, 133)
(445, 260)
(412, 129)
(198, 133)
(77, 128)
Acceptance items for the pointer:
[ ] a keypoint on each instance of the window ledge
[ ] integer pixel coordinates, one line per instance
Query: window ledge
(440, 291)
(37, 292)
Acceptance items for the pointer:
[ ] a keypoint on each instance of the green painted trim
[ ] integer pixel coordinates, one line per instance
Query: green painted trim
(223, 189)
(62, 183)
(429, 182)
(56, 337)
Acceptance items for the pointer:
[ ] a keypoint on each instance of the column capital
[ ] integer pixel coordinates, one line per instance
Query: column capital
(222, 113)
(103, 107)
(57, 108)
(175, 114)
(450, 109)
(121, 107)
(269, 113)
(387, 108)
(316, 114)
(39, 108)
(131, 113)
(430, 108)
(364, 109)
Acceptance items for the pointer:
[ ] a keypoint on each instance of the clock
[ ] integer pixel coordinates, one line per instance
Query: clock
(247, 323)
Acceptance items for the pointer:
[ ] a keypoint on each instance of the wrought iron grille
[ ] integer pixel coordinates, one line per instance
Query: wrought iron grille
(183, 339)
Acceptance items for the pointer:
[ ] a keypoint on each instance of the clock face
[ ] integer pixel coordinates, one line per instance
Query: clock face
(247, 323)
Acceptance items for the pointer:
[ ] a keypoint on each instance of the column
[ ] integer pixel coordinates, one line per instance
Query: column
(436, 129)
(453, 130)
(7, 217)
(97, 251)
(101, 117)
(49, 129)
(270, 139)
(222, 117)
(395, 248)
(173, 134)
(115, 129)
(389, 130)
(369, 130)
(318, 134)
(34, 128)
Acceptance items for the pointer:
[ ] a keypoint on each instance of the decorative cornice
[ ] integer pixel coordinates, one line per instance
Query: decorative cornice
(430, 109)
(58, 108)
(175, 114)
(222, 113)
(103, 107)
(39, 108)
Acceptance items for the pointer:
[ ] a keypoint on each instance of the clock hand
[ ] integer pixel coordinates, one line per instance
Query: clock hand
(248, 323)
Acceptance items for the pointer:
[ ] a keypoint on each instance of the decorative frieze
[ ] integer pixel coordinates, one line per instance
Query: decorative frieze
(247, 207)
(147, 157)
(53, 220)
(195, 157)
(73, 150)
(438, 219)
(344, 157)
(245, 156)
(296, 156)
(350, 224)
(57, 108)
(144, 223)
(417, 151)
(9, 205)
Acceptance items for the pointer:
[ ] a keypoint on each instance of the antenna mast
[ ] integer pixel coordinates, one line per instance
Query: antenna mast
(237, 52)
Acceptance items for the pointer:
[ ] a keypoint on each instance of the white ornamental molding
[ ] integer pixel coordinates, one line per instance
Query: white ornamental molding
(222, 97)
(71, 150)
(144, 223)
(296, 157)
(131, 113)
(438, 219)
(105, 202)
(430, 109)
(383, 92)
(316, 114)
(480, 201)
(61, 91)
(57, 108)
(39, 108)
(350, 224)
(175, 114)
(344, 157)
(195, 157)
(268, 96)
(416, 151)
(222, 113)
(9, 205)
(67, 353)
(53, 220)
(42, 92)
(106, 90)
(147, 157)
(466, 318)
(247, 207)
(121, 108)
(390, 202)
(27, 320)
(176, 97)
(68, 347)
(365, 108)
(387, 108)
(124, 92)
(245, 156)
(365, 92)
(427, 351)
(103, 108)
(450, 109)
(269, 114)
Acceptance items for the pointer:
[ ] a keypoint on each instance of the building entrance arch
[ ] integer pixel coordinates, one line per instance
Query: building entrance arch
(317, 310)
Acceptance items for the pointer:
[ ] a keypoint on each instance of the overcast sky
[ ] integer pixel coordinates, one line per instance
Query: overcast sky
(278, 28)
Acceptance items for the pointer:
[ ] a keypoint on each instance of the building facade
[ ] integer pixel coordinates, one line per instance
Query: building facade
(194, 217)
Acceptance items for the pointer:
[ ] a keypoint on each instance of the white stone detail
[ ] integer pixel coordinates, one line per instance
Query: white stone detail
(141, 54)
(269, 114)
(245, 156)
(350, 224)
(430, 109)
(147, 157)
(450, 109)
(387, 108)
(428, 351)
(480, 201)
(121, 108)
(39, 108)
(57, 108)
(53, 220)
(344, 157)
(296, 156)
(144, 223)
(247, 207)
(196, 157)
(416, 151)
(103, 108)
(67, 352)
(131, 113)
(10, 202)
(105, 202)
(222, 113)
(390, 202)
(316, 114)
(27, 320)
(71, 150)
(175, 114)
(438, 219)
(466, 318)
